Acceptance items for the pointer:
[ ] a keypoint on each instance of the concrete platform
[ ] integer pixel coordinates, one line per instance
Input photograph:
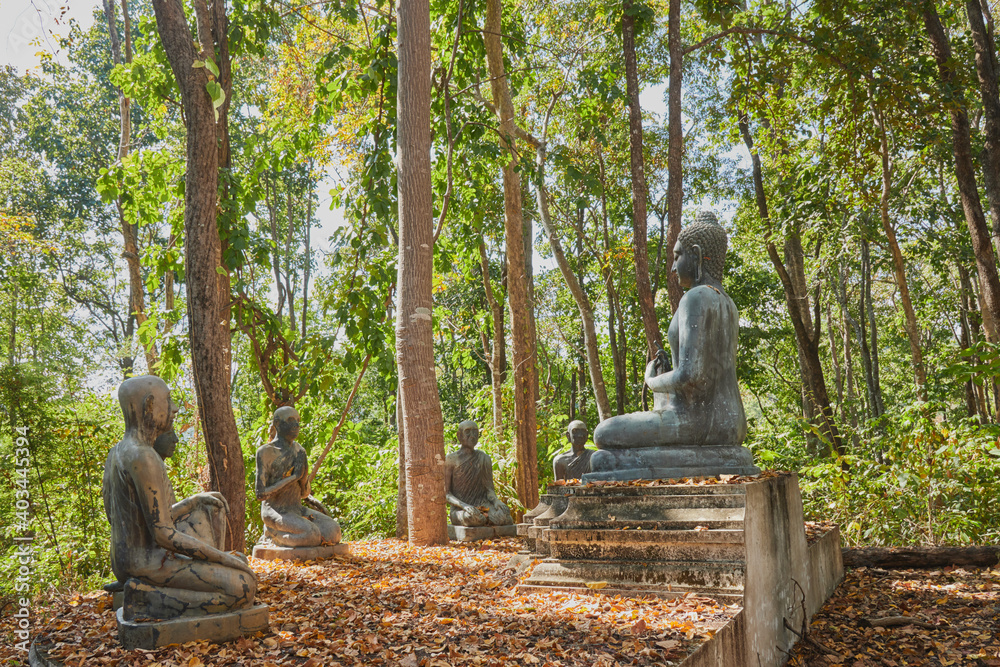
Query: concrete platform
(212, 627)
(735, 542)
(474, 534)
(272, 552)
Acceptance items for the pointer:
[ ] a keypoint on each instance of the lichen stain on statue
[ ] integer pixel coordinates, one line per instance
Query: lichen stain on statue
(169, 555)
(697, 424)
(469, 489)
(575, 463)
(291, 530)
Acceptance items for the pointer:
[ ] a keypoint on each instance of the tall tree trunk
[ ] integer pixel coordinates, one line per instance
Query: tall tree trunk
(795, 262)
(965, 172)
(675, 151)
(867, 308)
(307, 268)
(576, 289)
(130, 232)
(987, 71)
(859, 332)
(498, 353)
(421, 423)
(208, 293)
(965, 337)
(807, 339)
(899, 267)
(838, 371)
(649, 324)
(618, 342)
(521, 319)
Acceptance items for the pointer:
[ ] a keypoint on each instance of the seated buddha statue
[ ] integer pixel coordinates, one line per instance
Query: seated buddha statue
(697, 424)
(468, 483)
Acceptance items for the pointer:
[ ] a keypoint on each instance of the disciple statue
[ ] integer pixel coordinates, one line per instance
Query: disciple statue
(282, 483)
(468, 483)
(169, 555)
(697, 424)
(575, 463)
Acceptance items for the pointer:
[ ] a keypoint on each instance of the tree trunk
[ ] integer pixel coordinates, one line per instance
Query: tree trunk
(806, 339)
(921, 557)
(867, 309)
(965, 337)
(873, 391)
(421, 423)
(522, 322)
(649, 324)
(987, 71)
(794, 257)
(130, 232)
(675, 151)
(576, 289)
(618, 342)
(208, 296)
(498, 354)
(912, 328)
(965, 172)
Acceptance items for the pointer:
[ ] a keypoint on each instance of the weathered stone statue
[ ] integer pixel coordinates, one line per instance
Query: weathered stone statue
(169, 555)
(575, 463)
(697, 424)
(468, 483)
(282, 483)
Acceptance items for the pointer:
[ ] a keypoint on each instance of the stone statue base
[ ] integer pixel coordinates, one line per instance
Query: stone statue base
(211, 627)
(266, 551)
(117, 591)
(669, 463)
(474, 534)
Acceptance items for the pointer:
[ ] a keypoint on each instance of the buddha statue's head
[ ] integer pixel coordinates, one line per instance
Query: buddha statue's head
(468, 434)
(285, 423)
(576, 433)
(147, 408)
(703, 244)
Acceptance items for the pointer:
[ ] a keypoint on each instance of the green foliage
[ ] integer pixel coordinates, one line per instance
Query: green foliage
(67, 441)
(912, 480)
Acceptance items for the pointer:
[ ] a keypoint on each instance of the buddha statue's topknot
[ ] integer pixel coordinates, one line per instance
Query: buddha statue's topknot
(708, 234)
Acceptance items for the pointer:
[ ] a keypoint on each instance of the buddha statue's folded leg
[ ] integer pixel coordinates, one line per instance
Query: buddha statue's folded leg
(185, 587)
(329, 529)
(291, 529)
(472, 518)
(639, 429)
(499, 515)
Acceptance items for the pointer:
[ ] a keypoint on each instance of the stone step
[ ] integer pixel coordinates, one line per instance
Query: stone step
(663, 545)
(679, 524)
(604, 505)
(671, 576)
(643, 491)
(597, 512)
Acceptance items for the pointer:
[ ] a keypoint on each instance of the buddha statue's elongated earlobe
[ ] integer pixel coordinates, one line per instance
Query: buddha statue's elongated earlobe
(697, 275)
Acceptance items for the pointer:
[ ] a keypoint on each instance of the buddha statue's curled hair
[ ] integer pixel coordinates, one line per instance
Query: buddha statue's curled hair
(708, 234)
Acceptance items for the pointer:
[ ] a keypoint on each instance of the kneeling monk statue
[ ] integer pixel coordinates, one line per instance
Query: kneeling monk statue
(169, 555)
(282, 483)
(468, 484)
(697, 424)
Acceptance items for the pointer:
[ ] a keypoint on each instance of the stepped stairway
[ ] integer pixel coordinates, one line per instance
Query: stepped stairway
(639, 540)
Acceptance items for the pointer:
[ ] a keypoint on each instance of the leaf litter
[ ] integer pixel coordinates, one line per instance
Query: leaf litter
(916, 618)
(392, 604)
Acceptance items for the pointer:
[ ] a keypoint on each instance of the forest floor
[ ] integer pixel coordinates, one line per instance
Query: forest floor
(955, 614)
(392, 604)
